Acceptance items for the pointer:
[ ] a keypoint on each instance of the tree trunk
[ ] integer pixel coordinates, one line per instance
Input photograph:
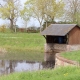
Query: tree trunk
(15, 29)
(11, 24)
(46, 24)
(26, 27)
(40, 27)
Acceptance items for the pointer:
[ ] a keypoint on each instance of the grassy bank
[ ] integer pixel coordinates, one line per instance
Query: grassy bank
(74, 55)
(67, 73)
(29, 46)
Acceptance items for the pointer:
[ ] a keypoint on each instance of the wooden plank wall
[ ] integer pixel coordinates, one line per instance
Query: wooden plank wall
(74, 36)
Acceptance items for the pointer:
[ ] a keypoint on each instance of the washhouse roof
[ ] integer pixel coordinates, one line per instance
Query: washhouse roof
(58, 29)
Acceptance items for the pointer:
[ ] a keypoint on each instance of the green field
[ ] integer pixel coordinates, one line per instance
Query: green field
(19, 46)
(64, 73)
(74, 55)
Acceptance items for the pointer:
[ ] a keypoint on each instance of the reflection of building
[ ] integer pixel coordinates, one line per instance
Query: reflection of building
(61, 37)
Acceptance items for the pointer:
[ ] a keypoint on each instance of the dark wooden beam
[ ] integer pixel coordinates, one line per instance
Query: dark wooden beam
(44, 36)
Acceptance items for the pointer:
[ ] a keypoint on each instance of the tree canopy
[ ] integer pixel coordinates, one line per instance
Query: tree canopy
(10, 10)
(45, 10)
(72, 11)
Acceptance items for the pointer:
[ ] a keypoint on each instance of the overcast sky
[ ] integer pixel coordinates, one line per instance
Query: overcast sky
(20, 23)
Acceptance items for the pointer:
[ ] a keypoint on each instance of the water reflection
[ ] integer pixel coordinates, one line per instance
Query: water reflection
(48, 64)
(9, 66)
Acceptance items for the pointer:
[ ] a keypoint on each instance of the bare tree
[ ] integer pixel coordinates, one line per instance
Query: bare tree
(73, 11)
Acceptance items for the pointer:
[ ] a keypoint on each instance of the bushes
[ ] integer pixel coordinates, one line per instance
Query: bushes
(3, 28)
(31, 29)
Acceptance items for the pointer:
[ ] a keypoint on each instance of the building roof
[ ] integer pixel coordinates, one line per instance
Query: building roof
(58, 29)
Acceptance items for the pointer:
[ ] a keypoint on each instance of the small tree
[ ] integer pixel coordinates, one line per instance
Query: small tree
(25, 15)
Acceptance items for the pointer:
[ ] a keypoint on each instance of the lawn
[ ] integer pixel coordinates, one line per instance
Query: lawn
(63, 73)
(74, 55)
(19, 46)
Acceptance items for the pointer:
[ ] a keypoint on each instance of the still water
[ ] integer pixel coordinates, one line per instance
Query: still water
(9, 66)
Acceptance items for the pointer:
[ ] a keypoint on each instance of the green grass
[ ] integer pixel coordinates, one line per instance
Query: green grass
(29, 46)
(74, 55)
(64, 73)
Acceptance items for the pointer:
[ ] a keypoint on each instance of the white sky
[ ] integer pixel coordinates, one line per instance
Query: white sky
(32, 22)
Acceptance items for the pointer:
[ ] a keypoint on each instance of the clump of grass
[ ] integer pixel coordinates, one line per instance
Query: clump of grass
(63, 73)
(74, 55)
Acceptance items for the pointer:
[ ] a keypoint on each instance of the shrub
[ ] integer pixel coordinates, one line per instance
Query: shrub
(3, 28)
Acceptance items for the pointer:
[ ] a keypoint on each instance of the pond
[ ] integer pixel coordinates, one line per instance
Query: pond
(9, 66)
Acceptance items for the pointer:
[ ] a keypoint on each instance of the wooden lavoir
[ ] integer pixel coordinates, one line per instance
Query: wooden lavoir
(60, 37)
